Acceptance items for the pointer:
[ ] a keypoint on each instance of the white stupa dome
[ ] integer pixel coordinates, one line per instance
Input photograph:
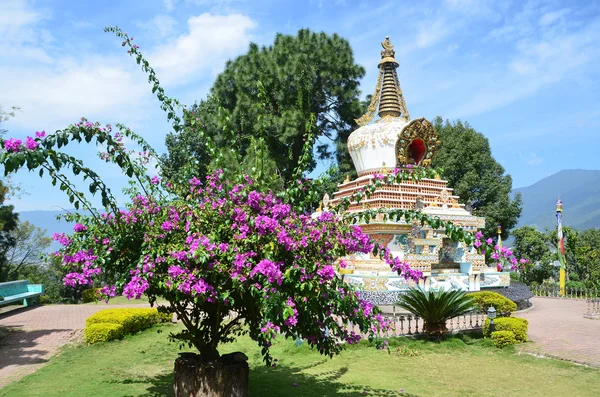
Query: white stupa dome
(372, 146)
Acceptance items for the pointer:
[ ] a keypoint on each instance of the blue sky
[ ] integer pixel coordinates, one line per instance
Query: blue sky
(525, 73)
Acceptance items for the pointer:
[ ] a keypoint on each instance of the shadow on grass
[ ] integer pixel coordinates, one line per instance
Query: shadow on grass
(282, 381)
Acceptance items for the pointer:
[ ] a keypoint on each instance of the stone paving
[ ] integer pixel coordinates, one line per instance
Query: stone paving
(557, 329)
(37, 333)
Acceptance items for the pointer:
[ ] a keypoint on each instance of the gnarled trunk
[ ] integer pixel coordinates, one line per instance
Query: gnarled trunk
(225, 377)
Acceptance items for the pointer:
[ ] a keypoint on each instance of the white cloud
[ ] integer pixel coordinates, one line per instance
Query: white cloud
(161, 25)
(543, 55)
(53, 88)
(534, 160)
(432, 32)
(551, 17)
(170, 4)
(210, 41)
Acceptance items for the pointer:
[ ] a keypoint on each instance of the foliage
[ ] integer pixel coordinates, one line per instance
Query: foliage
(516, 325)
(484, 299)
(90, 294)
(103, 332)
(436, 307)
(132, 319)
(582, 251)
(30, 245)
(8, 223)
(303, 76)
(502, 339)
(480, 181)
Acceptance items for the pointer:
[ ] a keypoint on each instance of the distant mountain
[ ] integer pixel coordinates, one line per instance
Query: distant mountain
(578, 189)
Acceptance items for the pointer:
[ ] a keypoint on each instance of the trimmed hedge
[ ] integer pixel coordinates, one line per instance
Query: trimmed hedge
(89, 295)
(132, 319)
(503, 338)
(101, 326)
(517, 326)
(484, 299)
(103, 332)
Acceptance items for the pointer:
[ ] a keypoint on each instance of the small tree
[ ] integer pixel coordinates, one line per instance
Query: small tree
(436, 308)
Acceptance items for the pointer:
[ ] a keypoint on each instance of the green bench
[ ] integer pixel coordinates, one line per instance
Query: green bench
(21, 290)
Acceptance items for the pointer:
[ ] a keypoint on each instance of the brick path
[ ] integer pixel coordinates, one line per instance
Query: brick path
(37, 334)
(558, 329)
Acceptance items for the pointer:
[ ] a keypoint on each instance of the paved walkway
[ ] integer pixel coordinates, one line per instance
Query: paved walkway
(557, 328)
(37, 333)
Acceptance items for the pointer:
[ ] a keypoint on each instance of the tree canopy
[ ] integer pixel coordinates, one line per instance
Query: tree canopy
(302, 75)
(480, 181)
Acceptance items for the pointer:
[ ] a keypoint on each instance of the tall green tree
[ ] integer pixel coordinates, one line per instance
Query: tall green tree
(8, 223)
(30, 245)
(475, 175)
(535, 246)
(302, 75)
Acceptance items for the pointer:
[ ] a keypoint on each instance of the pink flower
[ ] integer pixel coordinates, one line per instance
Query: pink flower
(79, 228)
(154, 180)
(13, 145)
(31, 144)
(40, 134)
(489, 241)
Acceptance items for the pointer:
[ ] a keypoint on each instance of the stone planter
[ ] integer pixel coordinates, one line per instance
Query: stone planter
(225, 377)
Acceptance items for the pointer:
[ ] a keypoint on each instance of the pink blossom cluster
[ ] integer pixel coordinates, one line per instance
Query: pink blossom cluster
(502, 256)
(15, 145)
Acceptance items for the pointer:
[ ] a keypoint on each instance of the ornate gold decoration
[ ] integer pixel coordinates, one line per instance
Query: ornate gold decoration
(347, 179)
(367, 117)
(388, 95)
(403, 108)
(444, 196)
(455, 203)
(437, 177)
(417, 129)
(320, 209)
(326, 200)
(384, 169)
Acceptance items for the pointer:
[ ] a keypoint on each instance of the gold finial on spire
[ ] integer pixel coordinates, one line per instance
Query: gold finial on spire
(388, 95)
(347, 179)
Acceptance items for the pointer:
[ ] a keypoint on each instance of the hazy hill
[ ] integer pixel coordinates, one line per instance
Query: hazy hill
(579, 191)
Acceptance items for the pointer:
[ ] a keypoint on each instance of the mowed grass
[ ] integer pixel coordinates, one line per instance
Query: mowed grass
(142, 365)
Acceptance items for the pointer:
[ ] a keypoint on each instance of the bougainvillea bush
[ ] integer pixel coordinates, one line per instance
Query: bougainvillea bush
(228, 255)
(229, 260)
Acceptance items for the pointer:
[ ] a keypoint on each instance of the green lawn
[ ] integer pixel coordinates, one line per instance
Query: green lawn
(141, 365)
(121, 300)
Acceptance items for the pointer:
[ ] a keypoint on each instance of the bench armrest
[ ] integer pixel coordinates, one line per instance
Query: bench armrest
(35, 288)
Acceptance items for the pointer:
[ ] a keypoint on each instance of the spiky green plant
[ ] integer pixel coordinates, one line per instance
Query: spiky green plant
(436, 308)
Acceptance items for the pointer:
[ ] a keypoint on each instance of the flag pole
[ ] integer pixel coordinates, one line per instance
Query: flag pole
(561, 247)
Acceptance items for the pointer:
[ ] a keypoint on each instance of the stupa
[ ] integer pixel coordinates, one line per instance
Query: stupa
(377, 147)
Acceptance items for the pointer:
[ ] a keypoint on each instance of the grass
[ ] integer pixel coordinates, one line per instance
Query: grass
(121, 300)
(142, 365)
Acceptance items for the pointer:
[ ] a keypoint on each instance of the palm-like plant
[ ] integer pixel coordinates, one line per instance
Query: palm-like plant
(435, 308)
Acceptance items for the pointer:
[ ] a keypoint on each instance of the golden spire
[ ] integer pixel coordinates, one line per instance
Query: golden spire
(388, 94)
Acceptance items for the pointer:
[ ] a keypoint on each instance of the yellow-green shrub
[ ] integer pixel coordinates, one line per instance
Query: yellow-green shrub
(484, 299)
(132, 319)
(503, 338)
(89, 295)
(164, 317)
(103, 332)
(517, 326)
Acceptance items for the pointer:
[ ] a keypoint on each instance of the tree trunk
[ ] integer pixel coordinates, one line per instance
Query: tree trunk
(224, 377)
